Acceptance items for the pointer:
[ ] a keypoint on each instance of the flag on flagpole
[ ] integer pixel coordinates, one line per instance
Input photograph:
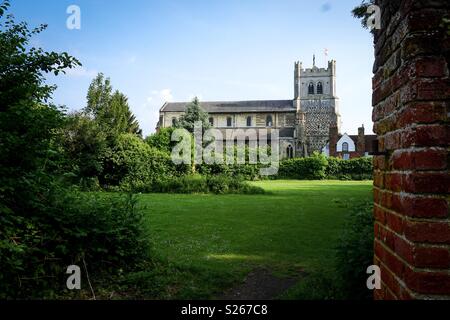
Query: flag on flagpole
(325, 52)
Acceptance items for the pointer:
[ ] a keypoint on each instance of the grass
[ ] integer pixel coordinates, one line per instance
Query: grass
(210, 242)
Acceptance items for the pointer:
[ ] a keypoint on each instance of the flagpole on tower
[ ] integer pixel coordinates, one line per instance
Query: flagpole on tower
(325, 51)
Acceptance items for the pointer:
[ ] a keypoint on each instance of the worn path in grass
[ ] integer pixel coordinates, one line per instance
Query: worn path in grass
(232, 245)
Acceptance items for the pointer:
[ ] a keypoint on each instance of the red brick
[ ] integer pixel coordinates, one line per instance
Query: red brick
(379, 214)
(401, 160)
(428, 282)
(393, 181)
(379, 162)
(378, 179)
(431, 67)
(430, 232)
(429, 159)
(432, 257)
(434, 159)
(392, 140)
(426, 136)
(426, 182)
(394, 264)
(422, 113)
(420, 207)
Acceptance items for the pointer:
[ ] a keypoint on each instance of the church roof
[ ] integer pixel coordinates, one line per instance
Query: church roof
(235, 106)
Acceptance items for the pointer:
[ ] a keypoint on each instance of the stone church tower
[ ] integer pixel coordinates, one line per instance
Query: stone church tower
(317, 106)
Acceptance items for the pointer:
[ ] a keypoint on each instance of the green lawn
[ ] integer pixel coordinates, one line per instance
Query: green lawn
(213, 241)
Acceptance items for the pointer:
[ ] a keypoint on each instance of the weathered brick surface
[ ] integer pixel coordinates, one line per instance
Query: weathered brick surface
(411, 178)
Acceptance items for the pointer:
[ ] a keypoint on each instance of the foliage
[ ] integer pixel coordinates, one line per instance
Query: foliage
(110, 110)
(134, 164)
(218, 184)
(310, 168)
(346, 280)
(353, 169)
(194, 113)
(161, 140)
(84, 144)
(355, 252)
(68, 227)
(44, 227)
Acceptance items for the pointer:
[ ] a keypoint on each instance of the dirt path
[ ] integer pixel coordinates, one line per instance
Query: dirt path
(260, 284)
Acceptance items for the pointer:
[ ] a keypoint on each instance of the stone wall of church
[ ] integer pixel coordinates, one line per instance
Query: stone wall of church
(320, 114)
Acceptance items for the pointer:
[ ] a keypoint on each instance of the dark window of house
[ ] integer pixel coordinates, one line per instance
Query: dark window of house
(319, 88)
(345, 147)
(269, 121)
(211, 121)
(249, 121)
(311, 88)
(174, 122)
(229, 121)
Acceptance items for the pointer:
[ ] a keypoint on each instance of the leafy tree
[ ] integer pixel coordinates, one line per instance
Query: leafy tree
(136, 164)
(84, 144)
(110, 109)
(161, 140)
(121, 117)
(98, 96)
(193, 113)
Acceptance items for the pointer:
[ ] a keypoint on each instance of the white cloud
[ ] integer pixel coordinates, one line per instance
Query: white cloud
(81, 72)
(148, 112)
(166, 95)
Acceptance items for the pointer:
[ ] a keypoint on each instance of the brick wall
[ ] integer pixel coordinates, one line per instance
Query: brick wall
(411, 180)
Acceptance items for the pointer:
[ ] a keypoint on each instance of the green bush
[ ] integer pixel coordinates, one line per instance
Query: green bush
(218, 184)
(134, 164)
(353, 169)
(67, 227)
(310, 168)
(355, 253)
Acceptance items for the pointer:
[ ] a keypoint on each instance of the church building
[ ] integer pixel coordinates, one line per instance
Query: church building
(303, 122)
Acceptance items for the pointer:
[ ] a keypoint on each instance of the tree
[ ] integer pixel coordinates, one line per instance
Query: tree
(121, 117)
(161, 140)
(194, 113)
(98, 96)
(110, 110)
(84, 143)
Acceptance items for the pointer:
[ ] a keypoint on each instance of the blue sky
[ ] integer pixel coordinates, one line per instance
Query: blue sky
(218, 50)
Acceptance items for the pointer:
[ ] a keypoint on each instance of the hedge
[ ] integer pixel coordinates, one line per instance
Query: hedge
(319, 167)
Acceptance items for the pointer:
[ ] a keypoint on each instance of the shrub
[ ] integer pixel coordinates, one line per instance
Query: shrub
(353, 169)
(355, 253)
(218, 184)
(104, 231)
(310, 168)
(134, 164)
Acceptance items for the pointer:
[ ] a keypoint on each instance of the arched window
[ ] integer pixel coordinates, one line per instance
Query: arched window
(345, 147)
(269, 121)
(229, 122)
(311, 88)
(174, 122)
(290, 152)
(319, 88)
(249, 121)
(211, 121)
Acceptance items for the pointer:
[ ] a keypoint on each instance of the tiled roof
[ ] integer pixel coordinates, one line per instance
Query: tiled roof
(235, 106)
